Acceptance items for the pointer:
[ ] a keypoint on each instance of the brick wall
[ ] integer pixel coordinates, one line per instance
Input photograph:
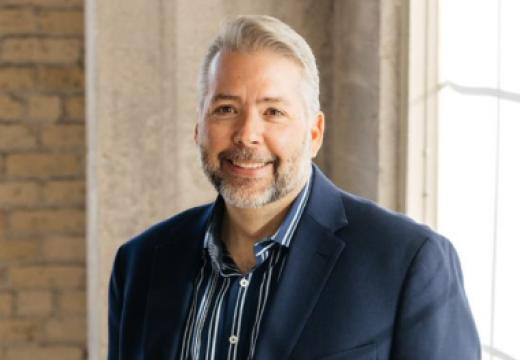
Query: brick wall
(42, 180)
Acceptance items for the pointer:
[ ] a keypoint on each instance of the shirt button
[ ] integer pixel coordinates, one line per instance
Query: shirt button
(244, 282)
(233, 339)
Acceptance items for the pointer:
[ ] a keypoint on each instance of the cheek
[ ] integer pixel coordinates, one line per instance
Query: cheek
(217, 137)
(285, 143)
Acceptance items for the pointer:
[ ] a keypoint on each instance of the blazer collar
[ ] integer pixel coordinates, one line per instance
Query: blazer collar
(177, 259)
(310, 261)
(325, 205)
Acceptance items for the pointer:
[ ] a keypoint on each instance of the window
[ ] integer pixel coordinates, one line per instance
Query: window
(470, 159)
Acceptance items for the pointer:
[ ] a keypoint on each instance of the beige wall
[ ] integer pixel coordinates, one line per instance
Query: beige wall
(142, 166)
(143, 163)
(364, 144)
(142, 62)
(42, 180)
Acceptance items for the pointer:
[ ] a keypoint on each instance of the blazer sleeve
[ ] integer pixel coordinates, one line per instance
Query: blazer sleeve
(434, 320)
(115, 301)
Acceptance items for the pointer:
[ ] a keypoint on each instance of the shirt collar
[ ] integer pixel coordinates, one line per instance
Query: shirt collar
(285, 232)
(282, 236)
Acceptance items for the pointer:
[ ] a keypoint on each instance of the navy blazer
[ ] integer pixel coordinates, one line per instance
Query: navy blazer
(360, 282)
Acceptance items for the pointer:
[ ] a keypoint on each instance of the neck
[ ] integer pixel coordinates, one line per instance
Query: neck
(242, 227)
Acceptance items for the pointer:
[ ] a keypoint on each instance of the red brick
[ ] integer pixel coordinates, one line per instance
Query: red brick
(41, 50)
(36, 165)
(72, 302)
(21, 193)
(42, 185)
(15, 250)
(71, 329)
(49, 352)
(18, 330)
(17, 79)
(10, 109)
(42, 107)
(16, 137)
(50, 276)
(75, 108)
(24, 223)
(64, 249)
(6, 304)
(63, 22)
(64, 136)
(4, 278)
(63, 79)
(45, 3)
(64, 192)
(3, 225)
(16, 21)
(34, 303)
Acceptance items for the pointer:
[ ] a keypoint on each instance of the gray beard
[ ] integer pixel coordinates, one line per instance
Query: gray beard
(287, 177)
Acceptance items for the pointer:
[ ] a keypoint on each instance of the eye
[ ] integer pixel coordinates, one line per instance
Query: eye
(224, 109)
(274, 112)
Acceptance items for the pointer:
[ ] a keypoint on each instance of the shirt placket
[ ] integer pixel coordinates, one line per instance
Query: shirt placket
(242, 285)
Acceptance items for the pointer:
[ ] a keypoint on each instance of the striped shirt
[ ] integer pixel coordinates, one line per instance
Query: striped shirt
(227, 306)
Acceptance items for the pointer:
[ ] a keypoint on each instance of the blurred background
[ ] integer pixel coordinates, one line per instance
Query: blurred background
(97, 109)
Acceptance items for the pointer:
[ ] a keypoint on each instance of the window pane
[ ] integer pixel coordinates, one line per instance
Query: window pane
(507, 315)
(510, 48)
(479, 159)
(468, 42)
(466, 188)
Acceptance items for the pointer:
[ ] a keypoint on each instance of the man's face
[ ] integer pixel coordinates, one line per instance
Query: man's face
(256, 144)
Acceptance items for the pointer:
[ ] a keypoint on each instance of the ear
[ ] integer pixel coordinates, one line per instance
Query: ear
(317, 131)
(196, 134)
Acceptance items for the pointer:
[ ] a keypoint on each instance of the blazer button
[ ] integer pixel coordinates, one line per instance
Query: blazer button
(233, 339)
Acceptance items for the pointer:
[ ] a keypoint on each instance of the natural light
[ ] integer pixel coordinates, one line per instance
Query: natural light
(479, 160)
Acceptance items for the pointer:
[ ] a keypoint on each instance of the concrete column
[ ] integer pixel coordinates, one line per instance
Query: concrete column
(142, 61)
(363, 150)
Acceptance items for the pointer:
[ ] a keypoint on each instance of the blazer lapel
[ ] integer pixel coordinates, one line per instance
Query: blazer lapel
(312, 255)
(175, 265)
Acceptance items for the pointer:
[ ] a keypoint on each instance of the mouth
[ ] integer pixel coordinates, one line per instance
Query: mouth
(248, 164)
(248, 168)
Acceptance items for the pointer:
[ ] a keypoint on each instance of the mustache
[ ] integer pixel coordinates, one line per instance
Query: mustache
(246, 154)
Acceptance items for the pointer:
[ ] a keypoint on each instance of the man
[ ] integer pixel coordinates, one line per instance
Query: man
(283, 265)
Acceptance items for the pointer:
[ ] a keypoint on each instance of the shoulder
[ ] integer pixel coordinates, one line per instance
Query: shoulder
(410, 257)
(185, 225)
(386, 232)
(366, 214)
(362, 224)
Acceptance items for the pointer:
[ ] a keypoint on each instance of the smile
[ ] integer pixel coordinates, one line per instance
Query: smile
(248, 165)
(247, 168)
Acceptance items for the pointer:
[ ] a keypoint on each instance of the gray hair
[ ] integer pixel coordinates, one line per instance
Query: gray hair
(262, 32)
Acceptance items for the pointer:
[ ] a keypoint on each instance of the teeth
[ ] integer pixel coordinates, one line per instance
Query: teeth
(248, 165)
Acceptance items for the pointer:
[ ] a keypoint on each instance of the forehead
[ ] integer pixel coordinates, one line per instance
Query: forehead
(253, 70)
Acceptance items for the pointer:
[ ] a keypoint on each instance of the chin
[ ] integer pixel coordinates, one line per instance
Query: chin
(248, 199)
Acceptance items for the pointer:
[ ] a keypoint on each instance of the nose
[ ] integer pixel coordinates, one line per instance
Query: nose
(249, 130)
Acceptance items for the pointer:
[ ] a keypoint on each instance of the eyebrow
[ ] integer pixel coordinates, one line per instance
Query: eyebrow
(269, 99)
(218, 97)
(266, 99)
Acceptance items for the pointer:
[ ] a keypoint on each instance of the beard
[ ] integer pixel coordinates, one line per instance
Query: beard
(245, 192)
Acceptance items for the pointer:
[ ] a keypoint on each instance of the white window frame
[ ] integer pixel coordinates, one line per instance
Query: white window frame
(421, 127)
